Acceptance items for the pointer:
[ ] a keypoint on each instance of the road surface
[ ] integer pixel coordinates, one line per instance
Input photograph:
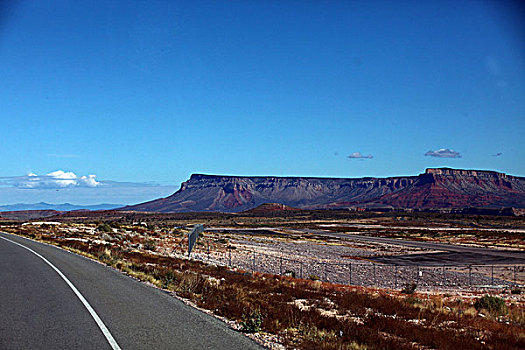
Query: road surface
(39, 310)
(452, 254)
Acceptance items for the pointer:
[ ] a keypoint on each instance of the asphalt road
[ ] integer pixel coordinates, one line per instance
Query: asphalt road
(40, 311)
(450, 253)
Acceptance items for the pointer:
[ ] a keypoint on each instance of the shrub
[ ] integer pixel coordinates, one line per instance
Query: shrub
(491, 303)
(252, 321)
(409, 288)
(114, 224)
(150, 245)
(104, 228)
(412, 300)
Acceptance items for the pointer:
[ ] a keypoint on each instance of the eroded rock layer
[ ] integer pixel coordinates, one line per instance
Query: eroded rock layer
(434, 189)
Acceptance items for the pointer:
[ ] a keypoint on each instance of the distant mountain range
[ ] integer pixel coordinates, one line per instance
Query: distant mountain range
(57, 207)
(437, 188)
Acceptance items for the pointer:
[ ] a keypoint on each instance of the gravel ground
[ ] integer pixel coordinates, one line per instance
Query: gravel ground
(346, 263)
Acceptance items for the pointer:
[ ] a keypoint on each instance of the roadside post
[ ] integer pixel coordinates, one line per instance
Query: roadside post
(193, 235)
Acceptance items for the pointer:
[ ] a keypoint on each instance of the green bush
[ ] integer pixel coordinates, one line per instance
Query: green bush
(104, 228)
(491, 303)
(114, 224)
(252, 321)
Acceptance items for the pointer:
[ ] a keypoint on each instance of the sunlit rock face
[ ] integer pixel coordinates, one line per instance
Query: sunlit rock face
(434, 189)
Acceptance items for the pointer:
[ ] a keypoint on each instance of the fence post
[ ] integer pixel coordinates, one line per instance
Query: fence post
(470, 275)
(350, 273)
(325, 274)
(395, 279)
(208, 251)
(515, 274)
(281, 266)
(492, 273)
(254, 261)
(230, 256)
(301, 270)
(375, 279)
(443, 282)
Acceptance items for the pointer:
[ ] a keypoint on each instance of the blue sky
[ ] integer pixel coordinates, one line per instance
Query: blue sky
(141, 94)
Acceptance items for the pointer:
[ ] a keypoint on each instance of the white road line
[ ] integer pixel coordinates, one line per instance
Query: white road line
(97, 319)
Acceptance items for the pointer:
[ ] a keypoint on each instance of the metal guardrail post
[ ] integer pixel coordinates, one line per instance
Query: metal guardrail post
(350, 273)
(492, 273)
(470, 275)
(301, 270)
(443, 282)
(230, 256)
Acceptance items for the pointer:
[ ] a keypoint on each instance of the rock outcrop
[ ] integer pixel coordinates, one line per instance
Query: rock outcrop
(434, 189)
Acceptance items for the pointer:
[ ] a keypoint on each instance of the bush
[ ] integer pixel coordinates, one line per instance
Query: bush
(114, 224)
(409, 288)
(104, 228)
(150, 245)
(491, 303)
(251, 322)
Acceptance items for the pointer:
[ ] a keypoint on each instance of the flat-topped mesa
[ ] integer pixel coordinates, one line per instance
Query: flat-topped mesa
(436, 188)
(464, 172)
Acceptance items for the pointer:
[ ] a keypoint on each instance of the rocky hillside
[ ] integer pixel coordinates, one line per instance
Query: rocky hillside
(434, 189)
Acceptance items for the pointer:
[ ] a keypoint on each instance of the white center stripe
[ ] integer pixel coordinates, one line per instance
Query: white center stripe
(97, 319)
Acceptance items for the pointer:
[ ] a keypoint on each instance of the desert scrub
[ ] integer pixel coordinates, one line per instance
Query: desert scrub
(150, 245)
(493, 304)
(252, 321)
(104, 228)
(409, 288)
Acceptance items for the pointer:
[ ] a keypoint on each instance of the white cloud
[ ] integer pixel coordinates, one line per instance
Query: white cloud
(54, 180)
(358, 155)
(443, 153)
(66, 186)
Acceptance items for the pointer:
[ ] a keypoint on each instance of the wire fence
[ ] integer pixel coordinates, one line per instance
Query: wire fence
(366, 273)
